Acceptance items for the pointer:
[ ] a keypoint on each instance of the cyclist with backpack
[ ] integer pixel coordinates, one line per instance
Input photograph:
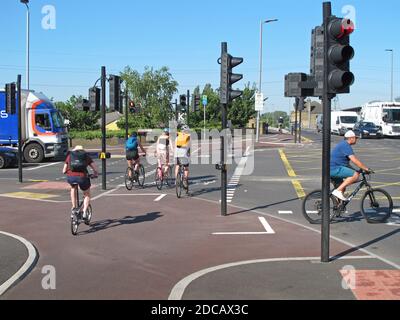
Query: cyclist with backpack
(182, 152)
(132, 146)
(75, 168)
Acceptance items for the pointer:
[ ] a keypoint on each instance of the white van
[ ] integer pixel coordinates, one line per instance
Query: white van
(385, 115)
(342, 121)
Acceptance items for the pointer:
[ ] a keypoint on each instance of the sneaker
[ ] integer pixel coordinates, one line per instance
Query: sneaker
(338, 194)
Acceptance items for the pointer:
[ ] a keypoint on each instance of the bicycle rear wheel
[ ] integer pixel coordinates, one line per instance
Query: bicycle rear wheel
(376, 206)
(141, 176)
(159, 178)
(168, 177)
(129, 179)
(89, 215)
(178, 186)
(312, 207)
(74, 223)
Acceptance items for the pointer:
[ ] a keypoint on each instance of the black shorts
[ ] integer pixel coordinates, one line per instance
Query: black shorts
(83, 182)
(183, 161)
(132, 155)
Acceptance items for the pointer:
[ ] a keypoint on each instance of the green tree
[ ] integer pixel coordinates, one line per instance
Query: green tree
(79, 120)
(152, 92)
(243, 108)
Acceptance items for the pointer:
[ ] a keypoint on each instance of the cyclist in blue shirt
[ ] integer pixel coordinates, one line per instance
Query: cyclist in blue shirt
(340, 161)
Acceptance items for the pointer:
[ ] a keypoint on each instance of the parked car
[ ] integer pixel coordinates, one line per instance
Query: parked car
(365, 129)
(8, 158)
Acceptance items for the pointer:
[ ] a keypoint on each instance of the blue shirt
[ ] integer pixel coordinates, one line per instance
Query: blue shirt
(340, 155)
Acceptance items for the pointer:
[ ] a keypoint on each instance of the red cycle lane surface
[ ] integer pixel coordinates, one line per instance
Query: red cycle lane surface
(140, 249)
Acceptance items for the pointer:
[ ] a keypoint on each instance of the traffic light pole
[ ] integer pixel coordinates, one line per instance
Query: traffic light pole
(20, 157)
(103, 126)
(126, 113)
(300, 123)
(295, 123)
(326, 146)
(224, 173)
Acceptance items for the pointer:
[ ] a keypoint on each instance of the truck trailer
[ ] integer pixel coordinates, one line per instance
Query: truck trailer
(44, 135)
(385, 115)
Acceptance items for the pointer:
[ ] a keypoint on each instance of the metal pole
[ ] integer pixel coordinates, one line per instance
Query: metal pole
(392, 97)
(27, 45)
(295, 123)
(188, 107)
(260, 82)
(126, 113)
(176, 110)
(103, 126)
(20, 158)
(300, 124)
(326, 147)
(224, 173)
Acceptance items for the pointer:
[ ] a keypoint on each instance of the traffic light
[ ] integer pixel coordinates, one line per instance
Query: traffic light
(196, 104)
(132, 107)
(339, 55)
(94, 99)
(11, 103)
(182, 100)
(299, 104)
(228, 78)
(115, 92)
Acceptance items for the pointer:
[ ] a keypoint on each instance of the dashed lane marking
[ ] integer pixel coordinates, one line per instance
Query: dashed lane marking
(160, 198)
(285, 212)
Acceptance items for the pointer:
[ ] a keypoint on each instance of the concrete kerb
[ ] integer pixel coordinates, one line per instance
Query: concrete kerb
(33, 257)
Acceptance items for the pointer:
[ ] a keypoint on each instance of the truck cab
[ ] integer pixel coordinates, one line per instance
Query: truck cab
(343, 121)
(43, 131)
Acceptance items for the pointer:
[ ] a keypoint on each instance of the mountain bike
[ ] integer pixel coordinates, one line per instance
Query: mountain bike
(77, 213)
(376, 204)
(132, 176)
(163, 176)
(181, 182)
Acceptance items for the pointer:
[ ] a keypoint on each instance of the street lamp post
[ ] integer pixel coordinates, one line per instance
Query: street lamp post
(261, 65)
(27, 40)
(391, 91)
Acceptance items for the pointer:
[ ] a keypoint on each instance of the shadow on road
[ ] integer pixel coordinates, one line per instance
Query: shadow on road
(264, 206)
(365, 245)
(112, 223)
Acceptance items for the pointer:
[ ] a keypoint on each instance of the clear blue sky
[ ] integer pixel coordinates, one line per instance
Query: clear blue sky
(186, 36)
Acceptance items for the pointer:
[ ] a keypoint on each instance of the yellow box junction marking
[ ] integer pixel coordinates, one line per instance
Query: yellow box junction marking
(28, 195)
(296, 183)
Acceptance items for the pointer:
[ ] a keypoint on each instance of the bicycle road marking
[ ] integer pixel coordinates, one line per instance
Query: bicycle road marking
(32, 255)
(296, 183)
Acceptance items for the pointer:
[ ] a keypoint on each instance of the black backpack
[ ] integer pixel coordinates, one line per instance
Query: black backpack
(78, 161)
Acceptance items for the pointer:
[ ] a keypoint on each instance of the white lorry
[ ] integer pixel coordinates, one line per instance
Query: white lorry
(342, 121)
(385, 115)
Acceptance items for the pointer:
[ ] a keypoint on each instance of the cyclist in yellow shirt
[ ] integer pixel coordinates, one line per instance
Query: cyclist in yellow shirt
(182, 152)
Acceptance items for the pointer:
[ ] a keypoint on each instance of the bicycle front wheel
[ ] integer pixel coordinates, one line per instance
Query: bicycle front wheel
(312, 207)
(376, 206)
(141, 176)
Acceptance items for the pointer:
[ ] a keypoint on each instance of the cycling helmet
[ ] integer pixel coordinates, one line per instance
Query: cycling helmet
(185, 128)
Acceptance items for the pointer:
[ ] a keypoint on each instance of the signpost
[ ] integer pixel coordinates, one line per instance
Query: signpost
(205, 103)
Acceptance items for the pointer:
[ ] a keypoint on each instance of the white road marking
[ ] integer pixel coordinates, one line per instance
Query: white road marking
(285, 212)
(160, 198)
(27, 265)
(179, 289)
(43, 166)
(267, 227)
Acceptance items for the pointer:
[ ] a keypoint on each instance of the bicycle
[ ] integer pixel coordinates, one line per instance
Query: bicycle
(181, 183)
(77, 212)
(163, 176)
(376, 204)
(132, 176)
